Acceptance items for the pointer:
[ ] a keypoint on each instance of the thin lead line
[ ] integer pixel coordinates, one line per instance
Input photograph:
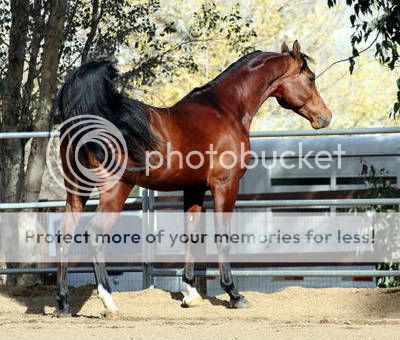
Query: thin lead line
(349, 58)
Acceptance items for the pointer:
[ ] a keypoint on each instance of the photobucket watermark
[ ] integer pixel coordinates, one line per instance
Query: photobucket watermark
(245, 159)
(78, 176)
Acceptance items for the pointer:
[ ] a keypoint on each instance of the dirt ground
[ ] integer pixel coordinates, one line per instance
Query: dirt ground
(295, 313)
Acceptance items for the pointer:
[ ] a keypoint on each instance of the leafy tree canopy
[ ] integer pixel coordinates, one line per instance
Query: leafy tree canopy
(378, 20)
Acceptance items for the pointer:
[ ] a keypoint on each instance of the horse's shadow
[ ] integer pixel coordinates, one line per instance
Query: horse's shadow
(212, 299)
(39, 298)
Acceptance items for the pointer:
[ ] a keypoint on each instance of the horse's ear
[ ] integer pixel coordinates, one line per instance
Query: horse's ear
(296, 50)
(284, 48)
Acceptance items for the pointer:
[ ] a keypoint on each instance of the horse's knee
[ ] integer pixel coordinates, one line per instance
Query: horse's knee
(63, 250)
(223, 252)
(95, 230)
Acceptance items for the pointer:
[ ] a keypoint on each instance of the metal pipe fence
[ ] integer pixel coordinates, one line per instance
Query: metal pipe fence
(52, 270)
(57, 204)
(213, 272)
(294, 203)
(291, 272)
(209, 204)
(332, 132)
(29, 134)
(149, 271)
(253, 134)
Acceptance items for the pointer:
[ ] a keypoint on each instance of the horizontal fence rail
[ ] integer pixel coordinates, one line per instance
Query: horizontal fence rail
(6, 271)
(253, 134)
(290, 272)
(294, 203)
(152, 272)
(57, 204)
(239, 204)
(333, 132)
(31, 134)
(215, 272)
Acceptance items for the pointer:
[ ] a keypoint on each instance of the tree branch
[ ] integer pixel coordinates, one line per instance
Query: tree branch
(97, 14)
(68, 28)
(349, 58)
(125, 77)
(37, 37)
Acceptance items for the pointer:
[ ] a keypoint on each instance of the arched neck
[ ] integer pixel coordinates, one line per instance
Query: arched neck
(243, 93)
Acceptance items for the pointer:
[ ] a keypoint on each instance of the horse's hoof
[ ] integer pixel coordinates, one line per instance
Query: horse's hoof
(240, 302)
(110, 314)
(191, 296)
(107, 300)
(191, 302)
(62, 313)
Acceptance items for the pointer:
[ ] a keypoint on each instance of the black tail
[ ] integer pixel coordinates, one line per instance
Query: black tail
(90, 90)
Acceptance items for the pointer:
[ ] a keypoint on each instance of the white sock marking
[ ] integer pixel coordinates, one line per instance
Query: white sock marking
(190, 293)
(107, 299)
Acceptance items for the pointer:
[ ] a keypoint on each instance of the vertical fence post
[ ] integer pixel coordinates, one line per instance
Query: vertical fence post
(152, 227)
(145, 224)
(147, 249)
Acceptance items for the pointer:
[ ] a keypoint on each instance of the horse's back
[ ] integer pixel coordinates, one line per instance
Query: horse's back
(185, 131)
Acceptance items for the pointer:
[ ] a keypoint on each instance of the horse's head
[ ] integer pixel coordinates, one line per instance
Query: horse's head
(297, 90)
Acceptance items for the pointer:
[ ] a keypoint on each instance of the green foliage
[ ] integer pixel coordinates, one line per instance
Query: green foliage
(380, 20)
(152, 44)
(380, 187)
(163, 48)
(167, 50)
(5, 21)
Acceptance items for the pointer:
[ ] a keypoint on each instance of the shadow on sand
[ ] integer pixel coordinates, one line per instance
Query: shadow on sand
(37, 298)
(212, 299)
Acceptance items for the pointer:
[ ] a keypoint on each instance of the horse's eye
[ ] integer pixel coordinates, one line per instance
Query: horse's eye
(312, 78)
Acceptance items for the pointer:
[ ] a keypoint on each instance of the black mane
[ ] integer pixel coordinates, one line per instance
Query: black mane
(242, 61)
(305, 58)
(90, 89)
(231, 68)
(238, 63)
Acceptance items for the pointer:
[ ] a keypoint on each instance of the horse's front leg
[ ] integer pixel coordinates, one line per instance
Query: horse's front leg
(225, 193)
(107, 213)
(193, 205)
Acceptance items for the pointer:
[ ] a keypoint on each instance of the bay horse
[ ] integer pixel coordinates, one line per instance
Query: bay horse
(218, 113)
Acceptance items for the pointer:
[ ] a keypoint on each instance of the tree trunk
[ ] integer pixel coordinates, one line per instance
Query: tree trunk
(54, 37)
(12, 150)
(36, 41)
(47, 90)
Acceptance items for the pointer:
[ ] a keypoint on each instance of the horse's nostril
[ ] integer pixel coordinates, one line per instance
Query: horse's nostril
(323, 122)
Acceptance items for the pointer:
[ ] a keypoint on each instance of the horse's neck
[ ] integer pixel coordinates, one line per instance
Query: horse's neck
(241, 93)
(246, 91)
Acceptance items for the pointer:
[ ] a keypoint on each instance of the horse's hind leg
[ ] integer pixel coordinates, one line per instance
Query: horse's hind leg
(107, 213)
(193, 204)
(75, 206)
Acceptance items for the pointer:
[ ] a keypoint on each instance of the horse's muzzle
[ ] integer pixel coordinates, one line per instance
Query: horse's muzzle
(323, 122)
